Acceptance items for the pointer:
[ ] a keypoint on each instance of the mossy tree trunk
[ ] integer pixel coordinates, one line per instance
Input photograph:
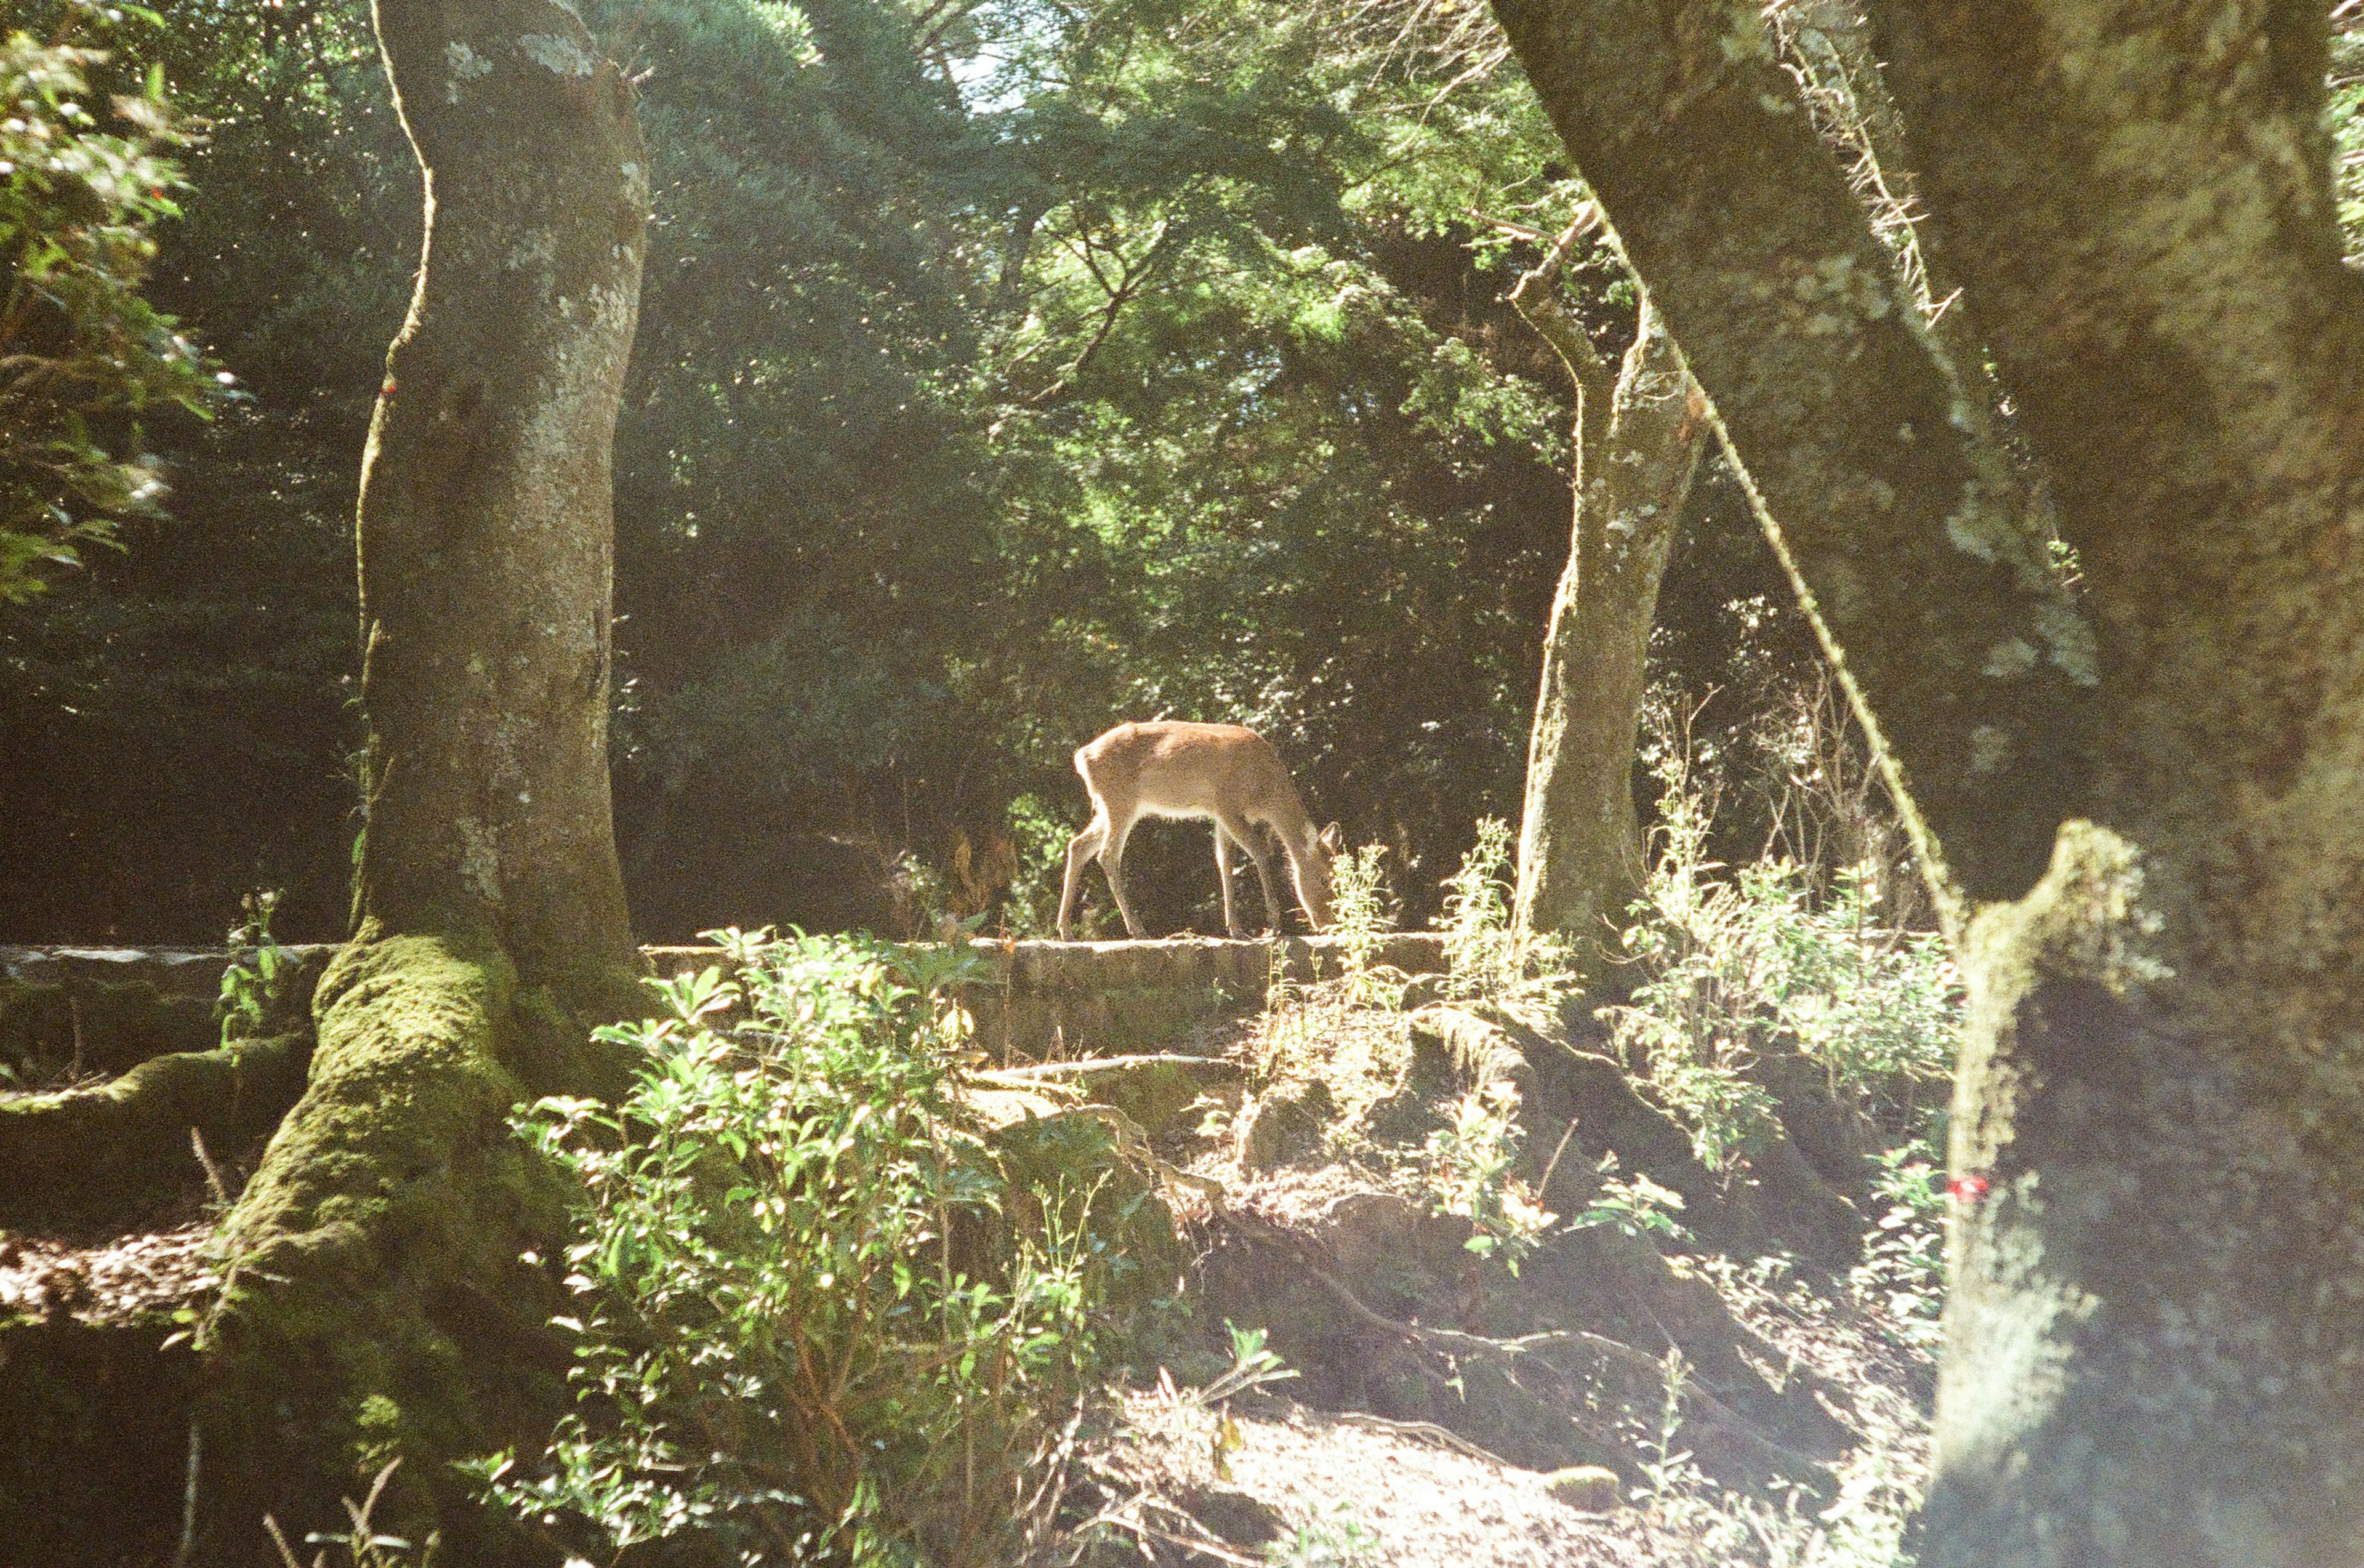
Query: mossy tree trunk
(2155, 1348)
(1906, 534)
(377, 1306)
(1637, 444)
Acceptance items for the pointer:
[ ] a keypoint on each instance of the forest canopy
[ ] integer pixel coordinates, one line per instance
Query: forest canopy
(1002, 372)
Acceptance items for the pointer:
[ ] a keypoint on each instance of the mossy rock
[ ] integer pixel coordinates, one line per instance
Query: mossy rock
(1160, 1094)
(1588, 1489)
(1285, 1126)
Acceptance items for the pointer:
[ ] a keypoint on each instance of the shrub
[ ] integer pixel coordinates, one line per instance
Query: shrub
(1736, 967)
(1903, 1268)
(826, 1316)
(1486, 958)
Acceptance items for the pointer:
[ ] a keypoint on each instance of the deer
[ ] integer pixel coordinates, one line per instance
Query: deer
(1224, 772)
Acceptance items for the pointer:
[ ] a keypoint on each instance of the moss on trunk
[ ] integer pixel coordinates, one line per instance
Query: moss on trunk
(376, 1306)
(1907, 536)
(2155, 1354)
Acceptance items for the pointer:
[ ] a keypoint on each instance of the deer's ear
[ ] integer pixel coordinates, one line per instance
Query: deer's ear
(1334, 838)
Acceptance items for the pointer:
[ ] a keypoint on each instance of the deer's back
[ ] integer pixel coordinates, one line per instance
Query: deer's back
(1173, 767)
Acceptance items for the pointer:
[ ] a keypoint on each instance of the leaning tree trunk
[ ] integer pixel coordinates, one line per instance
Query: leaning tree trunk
(1580, 856)
(1906, 534)
(2155, 1354)
(376, 1305)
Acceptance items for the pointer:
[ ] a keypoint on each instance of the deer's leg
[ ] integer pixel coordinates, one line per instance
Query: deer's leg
(1080, 847)
(1112, 862)
(1252, 842)
(1223, 879)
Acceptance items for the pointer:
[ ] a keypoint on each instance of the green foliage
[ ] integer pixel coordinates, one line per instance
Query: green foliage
(254, 980)
(1337, 1540)
(1487, 959)
(1904, 1269)
(824, 1317)
(1740, 966)
(1040, 836)
(84, 353)
(1466, 1168)
(1637, 1206)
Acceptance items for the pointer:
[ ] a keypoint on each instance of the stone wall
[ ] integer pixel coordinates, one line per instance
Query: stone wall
(1042, 999)
(106, 1009)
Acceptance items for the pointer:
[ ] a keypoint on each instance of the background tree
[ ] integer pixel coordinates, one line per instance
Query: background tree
(905, 510)
(1637, 441)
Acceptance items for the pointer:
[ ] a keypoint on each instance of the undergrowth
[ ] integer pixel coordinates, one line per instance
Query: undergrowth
(1737, 964)
(823, 1316)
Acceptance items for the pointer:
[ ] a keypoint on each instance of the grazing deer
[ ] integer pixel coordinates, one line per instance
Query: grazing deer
(1221, 772)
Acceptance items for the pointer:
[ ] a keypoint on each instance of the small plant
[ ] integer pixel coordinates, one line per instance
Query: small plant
(1638, 1206)
(362, 1546)
(1485, 958)
(823, 1319)
(254, 982)
(1358, 917)
(1903, 1268)
(1467, 1172)
(1743, 965)
(1337, 1541)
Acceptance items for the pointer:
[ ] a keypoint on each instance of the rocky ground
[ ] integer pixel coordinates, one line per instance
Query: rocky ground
(1627, 1396)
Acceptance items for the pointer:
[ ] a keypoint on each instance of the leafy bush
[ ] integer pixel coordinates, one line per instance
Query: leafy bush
(826, 1316)
(82, 354)
(1358, 917)
(1740, 966)
(1904, 1269)
(1467, 1172)
(1486, 958)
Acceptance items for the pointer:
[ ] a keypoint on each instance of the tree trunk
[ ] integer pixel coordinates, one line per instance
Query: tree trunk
(1580, 855)
(376, 1306)
(2155, 1354)
(1906, 534)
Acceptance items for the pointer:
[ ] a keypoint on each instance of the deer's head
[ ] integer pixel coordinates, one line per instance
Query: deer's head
(1314, 874)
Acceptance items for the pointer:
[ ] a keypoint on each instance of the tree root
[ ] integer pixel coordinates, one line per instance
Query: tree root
(74, 1153)
(1789, 1200)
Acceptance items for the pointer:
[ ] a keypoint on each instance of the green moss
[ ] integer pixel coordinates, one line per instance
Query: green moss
(376, 1305)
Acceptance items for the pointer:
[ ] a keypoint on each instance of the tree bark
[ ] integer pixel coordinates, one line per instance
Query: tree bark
(375, 1304)
(2153, 1348)
(1906, 535)
(1580, 856)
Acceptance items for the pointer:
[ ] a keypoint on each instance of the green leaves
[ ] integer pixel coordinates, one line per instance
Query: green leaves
(82, 353)
(821, 1319)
